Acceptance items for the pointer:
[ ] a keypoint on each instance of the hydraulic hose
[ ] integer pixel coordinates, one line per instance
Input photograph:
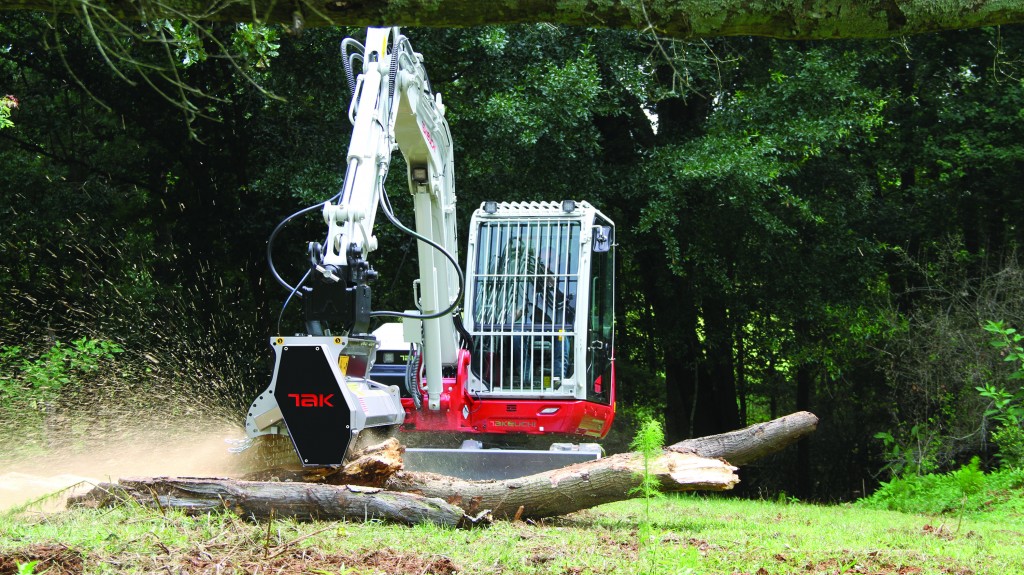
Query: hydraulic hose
(412, 370)
(288, 300)
(386, 205)
(347, 62)
(270, 246)
(393, 75)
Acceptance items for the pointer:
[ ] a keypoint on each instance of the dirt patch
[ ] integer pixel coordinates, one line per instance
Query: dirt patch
(940, 532)
(312, 560)
(61, 560)
(870, 565)
(627, 545)
(50, 559)
(389, 561)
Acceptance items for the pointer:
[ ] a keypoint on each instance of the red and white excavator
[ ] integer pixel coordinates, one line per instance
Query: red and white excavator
(521, 342)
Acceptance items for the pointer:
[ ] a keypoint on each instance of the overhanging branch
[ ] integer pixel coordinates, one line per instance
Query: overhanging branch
(785, 19)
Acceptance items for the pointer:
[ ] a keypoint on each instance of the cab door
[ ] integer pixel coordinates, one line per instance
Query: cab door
(601, 320)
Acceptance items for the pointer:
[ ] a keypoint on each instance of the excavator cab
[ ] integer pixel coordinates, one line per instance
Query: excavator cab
(541, 301)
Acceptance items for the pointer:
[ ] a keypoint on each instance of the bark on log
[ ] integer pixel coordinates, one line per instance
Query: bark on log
(785, 19)
(264, 499)
(611, 478)
(745, 445)
(571, 488)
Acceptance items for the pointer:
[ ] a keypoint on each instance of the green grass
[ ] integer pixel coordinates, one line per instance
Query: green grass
(693, 534)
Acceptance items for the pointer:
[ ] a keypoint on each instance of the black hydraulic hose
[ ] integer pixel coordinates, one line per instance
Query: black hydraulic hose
(277, 230)
(467, 339)
(270, 245)
(288, 300)
(347, 62)
(392, 76)
(458, 269)
(412, 373)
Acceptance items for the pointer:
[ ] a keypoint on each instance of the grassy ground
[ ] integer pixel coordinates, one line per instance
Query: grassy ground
(689, 534)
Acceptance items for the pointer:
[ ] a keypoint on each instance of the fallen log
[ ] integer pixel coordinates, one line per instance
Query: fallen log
(412, 498)
(571, 488)
(613, 478)
(690, 465)
(753, 442)
(266, 499)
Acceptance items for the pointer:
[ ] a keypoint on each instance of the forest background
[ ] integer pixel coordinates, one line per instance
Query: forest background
(822, 225)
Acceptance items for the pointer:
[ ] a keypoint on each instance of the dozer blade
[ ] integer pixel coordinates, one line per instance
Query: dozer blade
(472, 462)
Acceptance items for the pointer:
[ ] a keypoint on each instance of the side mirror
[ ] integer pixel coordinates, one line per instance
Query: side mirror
(602, 239)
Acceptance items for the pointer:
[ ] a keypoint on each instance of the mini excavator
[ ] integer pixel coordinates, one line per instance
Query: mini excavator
(520, 343)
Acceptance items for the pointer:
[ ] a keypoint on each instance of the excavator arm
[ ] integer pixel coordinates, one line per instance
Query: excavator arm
(320, 394)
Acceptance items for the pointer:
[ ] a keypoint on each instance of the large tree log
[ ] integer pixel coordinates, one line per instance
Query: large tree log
(742, 446)
(265, 499)
(612, 478)
(426, 497)
(412, 497)
(786, 19)
(571, 488)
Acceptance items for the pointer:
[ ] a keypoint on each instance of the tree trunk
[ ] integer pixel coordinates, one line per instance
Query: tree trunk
(804, 384)
(786, 19)
(751, 443)
(266, 499)
(718, 351)
(412, 497)
(571, 488)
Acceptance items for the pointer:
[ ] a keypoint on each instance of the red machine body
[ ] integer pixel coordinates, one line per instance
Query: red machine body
(462, 413)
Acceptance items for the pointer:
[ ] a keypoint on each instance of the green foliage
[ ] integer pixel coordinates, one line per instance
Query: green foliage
(1010, 440)
(256, 44)
(36, 381)
(7, 104)
(648, 443)
(1007, 406)
(967, 489)
(944, 381)
(27, 568)
(187, 41)
(916, 451)
(649, 440)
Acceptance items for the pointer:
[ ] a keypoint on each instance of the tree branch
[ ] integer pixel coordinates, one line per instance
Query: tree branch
(785, 19)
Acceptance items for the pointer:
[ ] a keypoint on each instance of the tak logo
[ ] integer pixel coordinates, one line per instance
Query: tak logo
(312, 399)
(427, 136)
